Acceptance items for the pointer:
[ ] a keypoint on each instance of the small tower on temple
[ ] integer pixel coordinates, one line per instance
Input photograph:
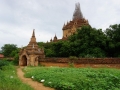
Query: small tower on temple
(30, 55)
(51, 40)
(55, 38)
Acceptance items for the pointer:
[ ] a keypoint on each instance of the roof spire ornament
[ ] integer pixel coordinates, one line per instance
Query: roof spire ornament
(77, 13)
(33, 39)
(33, 35)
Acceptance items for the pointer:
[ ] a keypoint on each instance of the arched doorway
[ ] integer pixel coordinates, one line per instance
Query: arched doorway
(24, 61)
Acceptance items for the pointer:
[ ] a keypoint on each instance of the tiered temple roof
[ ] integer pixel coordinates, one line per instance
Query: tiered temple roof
(78, 19)
(32, 47)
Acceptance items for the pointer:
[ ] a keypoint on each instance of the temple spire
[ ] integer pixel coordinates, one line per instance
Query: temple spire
(77, 13)
(33, 39)
(33, 34)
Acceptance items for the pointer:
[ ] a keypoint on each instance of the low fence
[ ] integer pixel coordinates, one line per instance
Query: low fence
(82, 60)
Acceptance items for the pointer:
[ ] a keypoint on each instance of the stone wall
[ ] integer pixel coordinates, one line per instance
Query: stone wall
(82, 60)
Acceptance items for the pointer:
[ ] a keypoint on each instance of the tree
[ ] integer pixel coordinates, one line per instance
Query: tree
(88, 41)
(7, 49)
(56, 48)
(65, 49)
(113, 44)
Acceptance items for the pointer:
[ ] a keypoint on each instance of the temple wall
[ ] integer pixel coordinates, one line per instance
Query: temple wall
(65, 62)
(66, 32)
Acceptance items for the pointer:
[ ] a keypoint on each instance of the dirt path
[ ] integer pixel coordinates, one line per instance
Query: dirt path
(36, 85)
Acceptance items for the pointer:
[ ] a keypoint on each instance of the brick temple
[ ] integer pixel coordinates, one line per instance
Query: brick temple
(30, 55)
(71, 27)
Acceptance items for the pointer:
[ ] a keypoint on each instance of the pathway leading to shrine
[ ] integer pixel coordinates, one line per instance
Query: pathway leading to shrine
(36, 85)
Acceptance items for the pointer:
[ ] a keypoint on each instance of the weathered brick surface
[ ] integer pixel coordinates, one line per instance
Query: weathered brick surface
(83, 60)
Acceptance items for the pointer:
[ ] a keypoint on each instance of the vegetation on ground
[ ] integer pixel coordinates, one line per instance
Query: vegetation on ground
(75, 78)
(9, 79)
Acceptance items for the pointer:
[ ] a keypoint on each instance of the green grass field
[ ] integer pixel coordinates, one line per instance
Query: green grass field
(9, 79)
(76, 78)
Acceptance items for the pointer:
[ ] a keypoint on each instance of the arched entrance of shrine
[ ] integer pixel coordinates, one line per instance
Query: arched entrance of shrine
(24, 60)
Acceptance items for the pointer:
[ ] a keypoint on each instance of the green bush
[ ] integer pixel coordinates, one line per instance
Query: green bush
(16, 59)
(3, 63)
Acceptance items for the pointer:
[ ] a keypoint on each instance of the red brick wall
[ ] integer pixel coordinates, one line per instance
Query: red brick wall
(83, 60)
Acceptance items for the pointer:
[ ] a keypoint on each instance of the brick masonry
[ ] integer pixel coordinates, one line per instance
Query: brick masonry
(81, 62)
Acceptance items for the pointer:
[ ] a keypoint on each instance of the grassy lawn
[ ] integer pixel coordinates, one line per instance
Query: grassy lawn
(9, 79)
(76, 78)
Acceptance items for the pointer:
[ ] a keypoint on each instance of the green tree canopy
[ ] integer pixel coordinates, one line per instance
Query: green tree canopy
(7, 49)
(113, 35)
(89, 41)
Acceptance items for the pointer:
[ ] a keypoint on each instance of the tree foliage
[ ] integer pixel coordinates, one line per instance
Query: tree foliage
(7, 49)
(89, 42)
(113, 44)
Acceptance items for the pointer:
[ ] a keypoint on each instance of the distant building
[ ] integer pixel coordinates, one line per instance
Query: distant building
(29, 55)
(1, 56)
(71, 27)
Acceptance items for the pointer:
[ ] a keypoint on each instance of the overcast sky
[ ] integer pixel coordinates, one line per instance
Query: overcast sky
(18, 18)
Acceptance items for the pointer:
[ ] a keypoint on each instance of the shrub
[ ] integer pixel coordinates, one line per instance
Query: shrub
(3, 63)
(16, 59)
